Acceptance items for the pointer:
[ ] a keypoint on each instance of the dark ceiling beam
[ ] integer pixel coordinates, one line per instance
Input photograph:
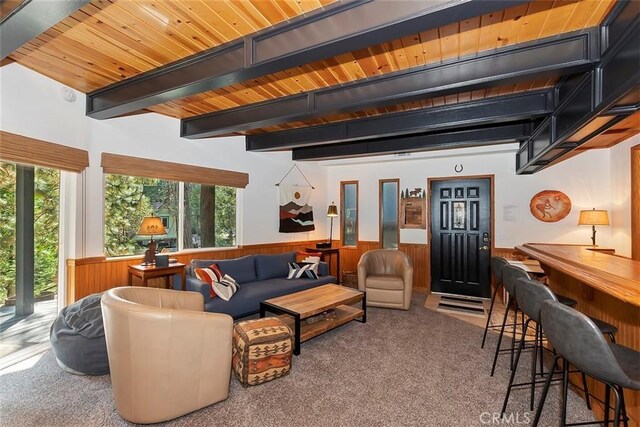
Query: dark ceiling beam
(515, 107)
(500, 134)
(32, 18)
(550, 57)
(344, 27)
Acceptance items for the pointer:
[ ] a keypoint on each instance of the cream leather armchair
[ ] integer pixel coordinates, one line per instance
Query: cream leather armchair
(387, 277)
(167, 356)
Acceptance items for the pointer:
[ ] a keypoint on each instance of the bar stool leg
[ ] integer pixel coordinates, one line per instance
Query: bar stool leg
(565, 392)
(586, 391)
(541, 353)
(513, 375)
(607, 402)
(504, 320)
(534, 359)
(616, 409)
(545, 391)
(513, 335)
(493, 300)
(624, 408)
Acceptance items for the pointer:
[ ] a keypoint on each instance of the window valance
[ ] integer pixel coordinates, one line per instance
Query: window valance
(30, 151)
(136, 166)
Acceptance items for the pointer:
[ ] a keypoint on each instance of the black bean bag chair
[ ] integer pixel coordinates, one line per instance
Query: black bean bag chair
(77, 338)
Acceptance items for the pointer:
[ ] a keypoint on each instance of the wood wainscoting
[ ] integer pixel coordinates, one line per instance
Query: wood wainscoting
(86, 276)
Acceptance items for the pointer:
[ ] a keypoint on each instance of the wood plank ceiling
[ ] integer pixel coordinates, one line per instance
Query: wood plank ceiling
(110, 40)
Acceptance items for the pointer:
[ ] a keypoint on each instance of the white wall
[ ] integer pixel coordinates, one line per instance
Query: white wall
(586, 179)
(621, 196)
(32, 105)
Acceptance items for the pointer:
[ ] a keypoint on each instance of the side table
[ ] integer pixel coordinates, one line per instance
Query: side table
(146, 272)
(324, 252)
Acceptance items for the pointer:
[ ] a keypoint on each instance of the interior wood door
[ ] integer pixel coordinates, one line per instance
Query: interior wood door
(461, 237)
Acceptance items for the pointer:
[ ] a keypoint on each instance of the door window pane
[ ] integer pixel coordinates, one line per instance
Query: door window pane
(349, 214)
(46, 222)
(7, 231)
(128, 199)
(209, 216)
(389, 214)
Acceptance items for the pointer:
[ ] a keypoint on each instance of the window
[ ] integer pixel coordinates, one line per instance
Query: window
(208, 214)
(349, 213)
(389, 229)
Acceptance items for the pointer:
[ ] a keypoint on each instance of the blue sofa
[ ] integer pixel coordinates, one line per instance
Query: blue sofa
(260, 277)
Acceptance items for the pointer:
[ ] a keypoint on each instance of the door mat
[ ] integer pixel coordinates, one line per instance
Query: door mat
(462, 306)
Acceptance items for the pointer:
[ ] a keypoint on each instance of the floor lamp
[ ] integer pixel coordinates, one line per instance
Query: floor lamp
(332, 212)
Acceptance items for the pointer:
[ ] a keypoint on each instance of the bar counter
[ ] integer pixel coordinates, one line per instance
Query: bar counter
(606, 286)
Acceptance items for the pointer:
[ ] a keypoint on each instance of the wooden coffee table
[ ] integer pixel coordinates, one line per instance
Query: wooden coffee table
(293, 309)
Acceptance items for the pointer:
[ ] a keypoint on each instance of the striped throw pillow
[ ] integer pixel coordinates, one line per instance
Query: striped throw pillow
(304, 271)
(226, 287)
(210, 275)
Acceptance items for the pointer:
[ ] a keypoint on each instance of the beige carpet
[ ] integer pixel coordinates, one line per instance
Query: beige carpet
(401, 368)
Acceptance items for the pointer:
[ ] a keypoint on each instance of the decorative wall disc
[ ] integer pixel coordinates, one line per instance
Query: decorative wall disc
(550, 205)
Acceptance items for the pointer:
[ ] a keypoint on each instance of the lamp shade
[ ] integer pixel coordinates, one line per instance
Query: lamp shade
(151, 226)
(332, 211)
(594, 217)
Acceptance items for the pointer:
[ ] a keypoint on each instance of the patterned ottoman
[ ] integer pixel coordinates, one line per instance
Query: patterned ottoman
(261, 350)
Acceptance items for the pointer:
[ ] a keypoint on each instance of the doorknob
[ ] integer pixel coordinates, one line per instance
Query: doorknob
(484, 248)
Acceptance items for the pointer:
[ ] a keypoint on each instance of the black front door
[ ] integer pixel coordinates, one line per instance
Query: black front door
(461, 237)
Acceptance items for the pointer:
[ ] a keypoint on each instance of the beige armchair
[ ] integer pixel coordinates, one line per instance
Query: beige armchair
(167, 356)
(387, 277)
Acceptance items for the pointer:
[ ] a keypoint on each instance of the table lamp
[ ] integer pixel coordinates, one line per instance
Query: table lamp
(332, 212)
(151, 226)
(594, 217)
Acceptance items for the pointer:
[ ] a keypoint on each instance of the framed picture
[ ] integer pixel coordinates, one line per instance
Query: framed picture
(413, 213)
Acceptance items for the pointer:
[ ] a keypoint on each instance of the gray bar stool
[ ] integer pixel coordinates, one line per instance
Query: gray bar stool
(530, 295)
(497, 264)
(577, 340)
(510, 275)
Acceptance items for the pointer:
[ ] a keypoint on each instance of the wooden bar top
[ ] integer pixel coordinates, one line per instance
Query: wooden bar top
(594, 266)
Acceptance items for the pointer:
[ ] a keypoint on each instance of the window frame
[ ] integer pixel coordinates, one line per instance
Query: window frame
(342, 208)
(381, 183)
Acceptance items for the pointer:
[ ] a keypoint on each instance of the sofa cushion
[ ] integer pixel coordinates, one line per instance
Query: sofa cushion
(271, 266)
(241, 269)
(380, 281)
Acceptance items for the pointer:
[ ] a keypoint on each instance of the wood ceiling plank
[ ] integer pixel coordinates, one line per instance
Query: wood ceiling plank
(583, 13)
(251, 14)
(289, 7)
(431, 45)
(512, 22)
(489, 30)
(559, 18)
(449, 41)
(143, 20)
(413, 50)
(270, 11)
(190, 25)
(602, 9)
(382, 58)
(533, 21)
(231, 18)
(399, 55)
(133, 38)
(308, 5)
(366, 61)
(469, 36)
